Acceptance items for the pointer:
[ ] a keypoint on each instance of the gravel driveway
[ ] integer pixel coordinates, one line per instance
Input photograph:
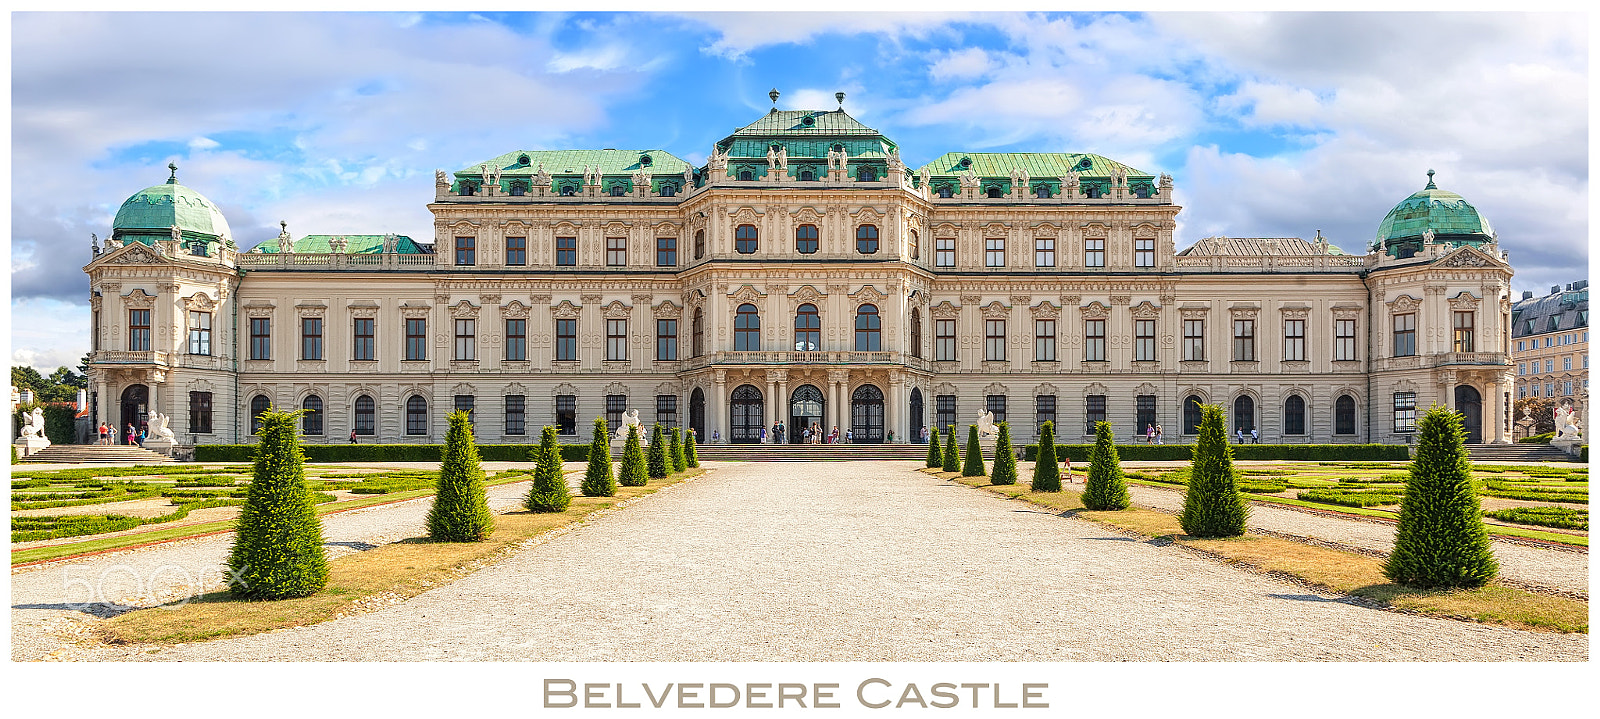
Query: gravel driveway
(836, 561)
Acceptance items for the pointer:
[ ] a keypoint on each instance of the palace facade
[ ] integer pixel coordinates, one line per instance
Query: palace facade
(803, 274)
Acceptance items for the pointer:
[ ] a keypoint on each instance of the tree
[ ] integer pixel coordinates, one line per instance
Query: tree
(690, 456)
(549, 491)
(1005, 458)
(1212, 505)
(1541, 409)
(658, 467)
(972, 464)
(1046, 471)
(952, 455)
(599, 481)
(679, 462)
(633, 472)
(277, 546)
(1441, 540)
(461, 505)
(935, 457)
(1104, 489)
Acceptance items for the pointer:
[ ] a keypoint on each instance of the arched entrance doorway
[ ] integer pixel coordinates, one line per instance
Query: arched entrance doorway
(745, 412)
(135, 406)
(866, 415)
(805, 409)
(1470, 404)
(697, 415)
(916, 414)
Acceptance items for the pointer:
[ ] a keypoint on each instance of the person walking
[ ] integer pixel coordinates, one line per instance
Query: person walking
(849, 436)
(922, 436)
(1068, 460)
(102, 436)
(1255, 437)
(1149, 434)
(1238, 432)
(763, 438)
(1159, 439)
(352, 435)
(130, 433)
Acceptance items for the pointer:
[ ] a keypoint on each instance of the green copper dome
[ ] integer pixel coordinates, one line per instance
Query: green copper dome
(1450, 218)
(150, 214)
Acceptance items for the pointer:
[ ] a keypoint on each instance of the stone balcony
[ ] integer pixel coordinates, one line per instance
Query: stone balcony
(146, 358)
(784, 357)
(332, 261)
(1270, 263)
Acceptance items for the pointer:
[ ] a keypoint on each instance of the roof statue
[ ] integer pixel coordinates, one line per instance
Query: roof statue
(483, 174)
(496, 176)
(895, 165)
(1166, 181)
(177, 233)
(1119, 177)
(1069, 180)
(1019, 176)
(641, 179)
(338, 244)
(772, 159)
(688, 178)
(718, 159)
(968, 178)
(94, 243)
(783, 157)
(924, 176)
(541, 178)
(440, 178)
(389, 243)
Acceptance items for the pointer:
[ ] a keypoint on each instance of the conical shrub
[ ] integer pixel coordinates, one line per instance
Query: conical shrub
(277, 546)
(1105, 488)
(1046, 470)
(679, 462)
(1005, 458)
(549, 492)
(633, 472)
(690, 456)
(972, 462)
(461, 505)
(598, 479)
(1441, 540)
(952, 455)
(1212, 505)
(935, 457)
(658, 466)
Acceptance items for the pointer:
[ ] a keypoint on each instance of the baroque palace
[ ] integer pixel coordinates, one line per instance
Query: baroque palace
(803, 274)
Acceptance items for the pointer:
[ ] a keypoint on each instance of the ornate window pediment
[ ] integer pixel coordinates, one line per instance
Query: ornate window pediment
(945, 310)
(1095, 230)
(807, 215)
(1046, 229)
(464, 228)
(1464, 301)
(946, 230)
(668, 229)
(616, 310)
(415, 309)
(868, 293)
(1404, 303)
(617, 228)
(746, 293)
(565, 311)
(139, 299)
(867, 214)
(1467, 257)
(1144, 388)
(259, 309)
(311, 309)
(566, 228)
(1295, 313)
(667, 310)
(995, 388)
(1045, 389)
(1346, 312)
(1193, 312)
(199, 302)
(1145, 231)
(745, 215)
(134, 253)
(514, 310)
(1096, 388)
(1244, 311)
(1146, 311)
(1045, 310)
(807, 293)
(1094, 310)
(464, 310)
(996, 229)
(617, 388)
(994, 310)
(364, 309)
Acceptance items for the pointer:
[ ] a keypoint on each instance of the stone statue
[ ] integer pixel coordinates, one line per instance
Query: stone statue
(1019, 177)
(783, 157)
(641, 181)
(1566, 423)
(987, 429)
(1166, 181)
(390, 243)
(483, 174)
(772, 159)
(541, 178)
(1069, 184)
(158, 429)
(925, 177)
(33, 424)
(968, 179)
(630, 418)
(718, 159)
(688, 178)
(439, 178)
(895, 165)
(1119, 177)
(94, 243)
(177, 234)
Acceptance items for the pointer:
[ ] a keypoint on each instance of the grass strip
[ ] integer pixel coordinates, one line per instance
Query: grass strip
(399, 570)
(1343, 572)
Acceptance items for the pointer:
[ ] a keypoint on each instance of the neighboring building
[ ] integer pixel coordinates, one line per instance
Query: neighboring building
(803, 274)
(1550, 344)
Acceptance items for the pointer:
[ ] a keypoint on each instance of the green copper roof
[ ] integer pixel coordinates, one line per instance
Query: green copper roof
(154, 210)
(356, 245)
(572, 162)
(805, 123)
(1431, 208)
(807, 134)
(1040, 165)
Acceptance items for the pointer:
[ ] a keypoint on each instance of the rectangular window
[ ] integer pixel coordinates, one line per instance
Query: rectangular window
(1405, 411)
(1522, 368)
(260, 337)
(566, 414)
(1044, 252)
(1549, 365)
(944, 410)
(517, 251)
(1144, 252)
(616, 404)
(1244, 340)
(1566, 363)
(199, 333)
(1194, 340)
(466, 339)
(1522, 345)
(200, 412)
(94, 331)
(311, 338)
(1094, 410)
(1094, 340)
(467, 403)
(365, 346)
(944, 340)
(466, 251)
(666, 252)
(616, 340)
(666, 339)
(996, 403)
(1144, 412)
(1094, 253)
(1044, 340)
(994, 340)
(1549, 389)
(516, 414)
(616, 251)
(1294, 340)
(1566, 387)
(994, 252)
(1344, 340)
(1144, 340)
(566, 339)
(416, 339)
(1044, 410)
(566, 252)
(1463, 334)
(667, 410)
(1405, 334)
(1522, 392)
(944, 252)
(516, 340)
(1535, 389)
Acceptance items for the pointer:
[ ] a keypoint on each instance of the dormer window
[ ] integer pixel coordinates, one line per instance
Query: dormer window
(866, 174)
(668, 190)
(518, 189)
(618, 190)
(645, 161)
(467, 189)
(994, 191)
(568, 190)
(746, 175)
(1042, 192)
(945, 192)
(1141, 192)
(807, 175)
(523, 160)
(1091, 192)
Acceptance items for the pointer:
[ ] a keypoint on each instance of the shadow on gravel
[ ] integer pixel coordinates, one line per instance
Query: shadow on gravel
(1113, 539)
(358, 546)
(1309, 598)
(100, 610)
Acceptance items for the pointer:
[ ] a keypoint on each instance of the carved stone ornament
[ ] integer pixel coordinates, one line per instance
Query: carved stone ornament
(311, 309)
(945, 310)
(1045, 310)
(1464, 301)
(1045, 389)
(868, 293)
(746, 293)
(1146, 311)
(1346, 312)
(134, 253)
(364, 310)
(1094, 311)
(971, 299)
(995, 311)
(259, 309)
(199, 302)
(1046, 229)
(1295, 313)
(1244, 312)
(489, 299)
(539, 300)
(1121, 300)
(415, 309)
(565, 311)
(590, 299)
(1095, 388)
(464, 310)
(667, 310)
(807, 293)
(1466, 257)
(1095, 231)
(139, 299)
(1404, 303)
(617, 311)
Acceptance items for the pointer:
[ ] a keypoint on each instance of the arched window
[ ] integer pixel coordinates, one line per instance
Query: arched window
(416, 415)
(568, 190)
(1191, 414)
(1141, 192)
(994, 191)
(746, 329)
(618, 190)
(916, 332)
(258, 404)
(1091, 192)
(467, 189)
(669, 190)
(519, 188)
(746, 175)
(311, 421)
(745, 239)
(697, 332)
(366, 416)
(699, 244)
(1244, 414)
(808, 175)
(866, 174)
(867, 239)
(1344, 415)
(868, 336)
(807, 329)
(1042, 192)
(805, 239)
(1294, 415)
(915, 248)
(945, 191)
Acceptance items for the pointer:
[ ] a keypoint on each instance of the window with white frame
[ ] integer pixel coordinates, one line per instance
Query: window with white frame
(1244, 340)
(1144, 252)
(944, 252)
(199, 333)
(1194, 340)
(1094, 252)
(994, 252)
(944, 340)
(466, 339)
(1144, 340)
(616, 251)
(1094, 340)
(616, 340)
(1044, 340)
(1294, 341)
(994, 340)
(1044, 252)
(1344, 340)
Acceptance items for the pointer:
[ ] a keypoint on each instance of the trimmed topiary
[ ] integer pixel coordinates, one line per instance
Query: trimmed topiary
(952, 455)
(277, 546)
(460, 506)
(1441, 540)
(659, 466)
(1104, 489)
(1046, 471)
(935, 457)
(633, 473)
(679, 462)
(549, 492)
(1005, 458)
(690, 457)
(598, 480)
(972, 464)
(1212, 505)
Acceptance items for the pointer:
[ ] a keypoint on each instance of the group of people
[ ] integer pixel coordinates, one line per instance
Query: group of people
(108, 435)
(1255, 437)
(1152, 434)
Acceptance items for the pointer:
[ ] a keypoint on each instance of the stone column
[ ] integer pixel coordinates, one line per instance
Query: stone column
(896, 409)
(1499, 405)
(717, 413)
(1449, 390)
(780, 402)
(772, 402)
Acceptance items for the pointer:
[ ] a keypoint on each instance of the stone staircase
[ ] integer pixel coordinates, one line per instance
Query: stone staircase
(1490, 453)
(808, 452)
(97, 453)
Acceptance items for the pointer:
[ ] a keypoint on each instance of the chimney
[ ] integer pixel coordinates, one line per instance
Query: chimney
(1527, 294)
(1555, 289)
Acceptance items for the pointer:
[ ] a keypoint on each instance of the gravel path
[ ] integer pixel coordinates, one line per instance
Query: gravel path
(867, 561)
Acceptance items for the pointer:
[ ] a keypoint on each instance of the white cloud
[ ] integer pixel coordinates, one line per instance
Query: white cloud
(203, 143)
(47, 334)
(964, 64)
(740, 32)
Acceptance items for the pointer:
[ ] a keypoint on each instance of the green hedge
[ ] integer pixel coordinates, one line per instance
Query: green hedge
(60, 421)
(1538, 438)
(385, 452)
(1184, 452)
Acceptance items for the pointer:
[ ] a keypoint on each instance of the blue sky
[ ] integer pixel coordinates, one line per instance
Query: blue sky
(1272, 124)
